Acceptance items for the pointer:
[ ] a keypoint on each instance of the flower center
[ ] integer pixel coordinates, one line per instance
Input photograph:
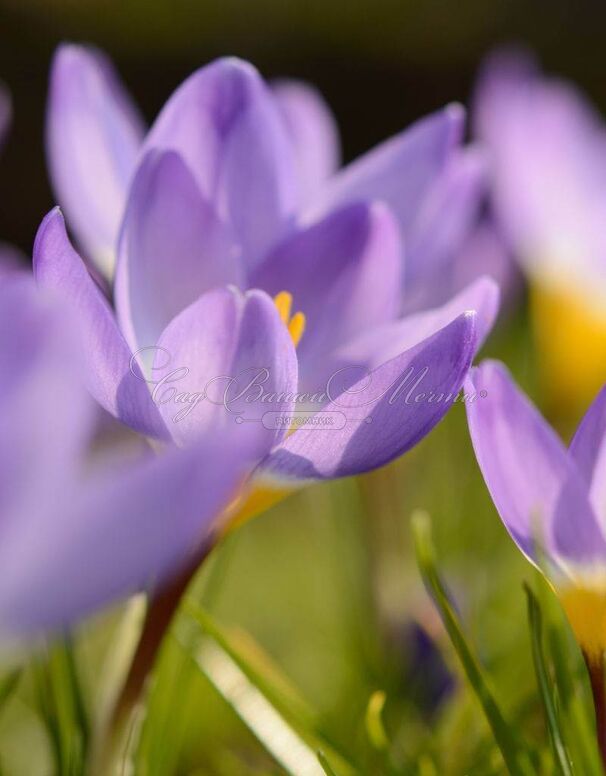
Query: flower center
(294, 323)
(585, 608)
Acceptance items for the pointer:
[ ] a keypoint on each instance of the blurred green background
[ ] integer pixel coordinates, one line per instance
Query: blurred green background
(326, 583)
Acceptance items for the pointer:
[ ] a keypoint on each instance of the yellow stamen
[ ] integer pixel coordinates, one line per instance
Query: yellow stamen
(283, 302)
(296, 327)
(585, 608)
(296, 323)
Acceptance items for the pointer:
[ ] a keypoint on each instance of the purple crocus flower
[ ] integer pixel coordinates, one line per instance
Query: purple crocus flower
(235, 186)
(547, 150)
(77, 534)
(551, 499)
(415, 376)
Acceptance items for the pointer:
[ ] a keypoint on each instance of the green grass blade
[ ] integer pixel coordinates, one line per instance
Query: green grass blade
(74, 689)
(259, 668)
(326, 767)
(536, 632)
(515, 757)
(62, 708)
(263, 698)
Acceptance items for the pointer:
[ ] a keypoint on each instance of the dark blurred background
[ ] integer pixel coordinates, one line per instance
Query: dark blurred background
(380, 64)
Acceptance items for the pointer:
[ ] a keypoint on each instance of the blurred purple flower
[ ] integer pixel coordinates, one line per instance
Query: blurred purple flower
(76, 536)
(550, 499)
(547, 153)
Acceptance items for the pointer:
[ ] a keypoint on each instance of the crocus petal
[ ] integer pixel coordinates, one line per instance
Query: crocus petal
(344, 274)
(113, 377)
(385, 342)
(93, 139)
(45, 412)
(588, 448)
(173, 248)
(534, 483)
(213, 359)
(125, 531)
(225, 123)
(383, 415)
(401, 171)
(443, 222)
(313, 133)
(5, 112)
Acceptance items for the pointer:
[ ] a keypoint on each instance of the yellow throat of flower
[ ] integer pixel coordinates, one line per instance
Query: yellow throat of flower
(570, 335)
(585, 608)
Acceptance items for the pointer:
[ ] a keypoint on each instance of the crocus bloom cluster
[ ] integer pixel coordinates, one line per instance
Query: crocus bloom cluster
(548, 154)
(234, 187)
(78, 534)
(551, 499)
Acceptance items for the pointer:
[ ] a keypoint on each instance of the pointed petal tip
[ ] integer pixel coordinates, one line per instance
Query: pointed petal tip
(455, 111)
(237, 64)
(470, 339)
(483, 298)
(52, 222)
(481, 376)
(69, 54)
(469, 321)
(456, 115)
(251, 293)
(230, 68)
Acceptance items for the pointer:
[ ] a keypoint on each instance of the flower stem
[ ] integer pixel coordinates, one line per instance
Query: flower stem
(161, 609)
(595, 666)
